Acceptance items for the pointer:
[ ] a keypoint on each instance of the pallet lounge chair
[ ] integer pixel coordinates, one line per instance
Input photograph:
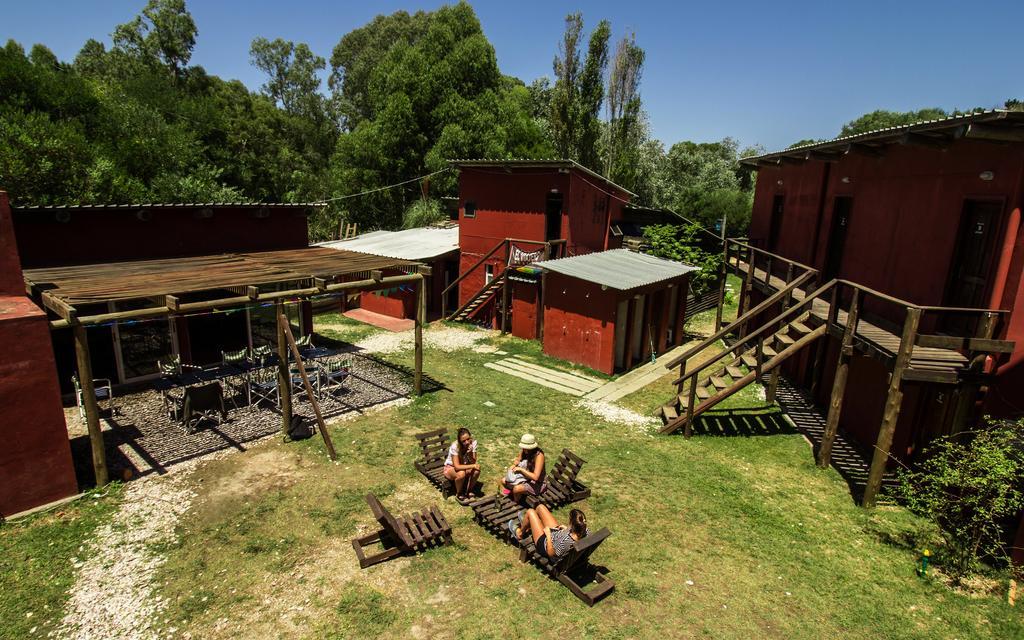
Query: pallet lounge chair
(574, 569)
(493, 513)
(562, 486)
(434, 447)
(409, 534)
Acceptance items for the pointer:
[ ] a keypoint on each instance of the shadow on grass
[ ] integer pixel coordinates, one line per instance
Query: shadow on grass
(742, 422)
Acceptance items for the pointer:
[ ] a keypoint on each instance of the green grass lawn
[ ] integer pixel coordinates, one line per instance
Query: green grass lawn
(37, 556)
(723, 537)
(336, 326)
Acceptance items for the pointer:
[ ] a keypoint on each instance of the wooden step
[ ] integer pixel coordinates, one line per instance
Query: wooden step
(769, 352)
(702, 393)
(669, 413)
(683, 401)
(719, 383)
(784, 339)
(749, 360)
(799, 328)
(734, 372)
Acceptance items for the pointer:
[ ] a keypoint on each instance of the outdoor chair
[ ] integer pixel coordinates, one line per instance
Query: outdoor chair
(333, 374)
(238, 364)
(408, 534)
(263, 386)
(305, 343)
(102, 390)
(493, 513)
(434, 447)
(562, 486)
(203, 402)
(573, 569)
(262, 355)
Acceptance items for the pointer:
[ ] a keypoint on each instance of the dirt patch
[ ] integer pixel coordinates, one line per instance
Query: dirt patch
(444, 338)
(239, 478)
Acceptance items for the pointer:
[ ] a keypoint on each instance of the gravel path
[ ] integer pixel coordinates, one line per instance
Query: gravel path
(446, 339)
(619, 415)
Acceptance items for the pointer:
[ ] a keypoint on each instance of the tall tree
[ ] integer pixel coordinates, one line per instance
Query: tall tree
(292, 75)
(881, 119)
(623, 143)
(579, 92)
(164, 33)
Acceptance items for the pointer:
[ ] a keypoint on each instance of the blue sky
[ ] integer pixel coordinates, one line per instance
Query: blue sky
(768, 72)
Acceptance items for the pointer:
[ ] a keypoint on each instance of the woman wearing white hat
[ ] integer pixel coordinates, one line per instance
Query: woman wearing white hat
(526, 475)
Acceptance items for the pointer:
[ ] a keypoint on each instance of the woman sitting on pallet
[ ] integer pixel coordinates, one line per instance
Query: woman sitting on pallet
(526, 475)
(461, 466)
(551, 539)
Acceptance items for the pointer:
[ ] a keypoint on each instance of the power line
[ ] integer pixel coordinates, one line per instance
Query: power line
(390, 186)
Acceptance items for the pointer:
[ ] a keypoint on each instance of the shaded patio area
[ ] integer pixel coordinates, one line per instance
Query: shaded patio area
(141, 438)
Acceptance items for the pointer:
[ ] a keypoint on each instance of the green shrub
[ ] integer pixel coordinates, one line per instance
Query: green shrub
(970, 485)
(683, 243)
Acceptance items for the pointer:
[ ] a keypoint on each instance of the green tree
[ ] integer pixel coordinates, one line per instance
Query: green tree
(882, 119)
(578, 93)
(626, 133)
(292, 70)
(684, 243)
(163, 34)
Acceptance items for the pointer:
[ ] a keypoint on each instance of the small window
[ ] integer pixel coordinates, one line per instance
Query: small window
(469, 209)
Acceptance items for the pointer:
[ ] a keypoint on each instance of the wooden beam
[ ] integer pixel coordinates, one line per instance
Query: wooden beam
(252, 292)
(58, 306)
(504, 303)
(835, 406)
(893, 403)
(172, 303)
(980, 131)
(421, 318)
(958, 343)
(284, 382)
(377, 275)
(92, 410)
(282, 321)
(862, 150)
(425, 269)
(921, 140)
(320, 283)
(723, 272)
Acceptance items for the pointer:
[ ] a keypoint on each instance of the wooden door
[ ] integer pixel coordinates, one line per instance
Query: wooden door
(842, 206)
(970, 276)
(775, 230)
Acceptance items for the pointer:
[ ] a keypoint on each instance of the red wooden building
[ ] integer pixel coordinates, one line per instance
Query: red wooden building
(57, 236)
(929, 213)
(516, 214)
(35, 459)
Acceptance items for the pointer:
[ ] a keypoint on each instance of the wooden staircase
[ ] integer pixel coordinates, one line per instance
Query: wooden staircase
(760, 351)
(479, 299)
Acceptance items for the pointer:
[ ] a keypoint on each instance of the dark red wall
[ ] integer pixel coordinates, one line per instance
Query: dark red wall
(579, 322)
(402, 304)
(906, 213)
(35, 459)
(511, 204)
(98, 235)
(524, 309)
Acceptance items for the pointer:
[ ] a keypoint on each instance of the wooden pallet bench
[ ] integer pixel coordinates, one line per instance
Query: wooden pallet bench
(493, 513)
(574, 569)
(562, 486)
(434, 449)
(408, 534)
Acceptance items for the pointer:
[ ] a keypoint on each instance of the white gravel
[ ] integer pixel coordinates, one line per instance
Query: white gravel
(436, 337)
(619, 415)
(113, 594)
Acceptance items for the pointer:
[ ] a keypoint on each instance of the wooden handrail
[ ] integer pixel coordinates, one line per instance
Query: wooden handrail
(738, 321)
(498, 278)
(796, 309)
(770, 254)
(473, 268)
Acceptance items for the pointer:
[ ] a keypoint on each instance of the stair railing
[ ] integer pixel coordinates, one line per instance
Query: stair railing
(444, 294)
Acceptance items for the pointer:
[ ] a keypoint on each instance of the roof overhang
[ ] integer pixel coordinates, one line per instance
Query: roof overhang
(996, 126)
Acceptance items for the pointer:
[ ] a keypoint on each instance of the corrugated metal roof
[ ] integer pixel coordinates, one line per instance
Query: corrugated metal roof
(548, 163)
(618, 268)
(411, 244)
(166, 205)
(888, 134)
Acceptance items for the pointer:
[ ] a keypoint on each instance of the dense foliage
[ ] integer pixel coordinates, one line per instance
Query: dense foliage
(970, 487)
(690, 244)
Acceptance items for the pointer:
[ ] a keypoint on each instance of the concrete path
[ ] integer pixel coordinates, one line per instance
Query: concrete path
(380, 320)
(574, 384)
(637, 378)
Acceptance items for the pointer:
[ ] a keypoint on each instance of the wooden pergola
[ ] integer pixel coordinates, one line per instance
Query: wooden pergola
(159, 285)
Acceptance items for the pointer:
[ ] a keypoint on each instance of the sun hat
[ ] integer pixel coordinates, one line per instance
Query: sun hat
(527, 441)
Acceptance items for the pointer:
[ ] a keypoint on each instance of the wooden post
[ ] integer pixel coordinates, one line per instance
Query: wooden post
(966, 394)
(284, 380)
(748, 288)
(892, 407)
(540, 304)
(421, 316)
(691, 400)
(773, 379)
(682, 374)
(282, 321)
(504, 304)
(835, 406)
(723, 273)
(92, 410)
(759, 358)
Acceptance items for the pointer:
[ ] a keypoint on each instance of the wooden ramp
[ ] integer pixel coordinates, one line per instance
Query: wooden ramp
(574, 384)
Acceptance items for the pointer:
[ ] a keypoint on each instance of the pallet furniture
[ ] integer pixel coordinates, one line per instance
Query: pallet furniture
(408, 534)
(434, 447)
(562, 486)
(573, 569)
(493, 513)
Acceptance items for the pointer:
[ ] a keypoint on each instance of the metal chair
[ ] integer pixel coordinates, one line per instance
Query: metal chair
(101, 388)
(203, 402)
(333, 375)
(263, 386)
(238, 365)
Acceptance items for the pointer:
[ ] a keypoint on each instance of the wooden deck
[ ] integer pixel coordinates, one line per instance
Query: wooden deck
(926, 363)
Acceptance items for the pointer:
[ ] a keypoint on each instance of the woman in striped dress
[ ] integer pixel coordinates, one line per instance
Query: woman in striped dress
(552, 539)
